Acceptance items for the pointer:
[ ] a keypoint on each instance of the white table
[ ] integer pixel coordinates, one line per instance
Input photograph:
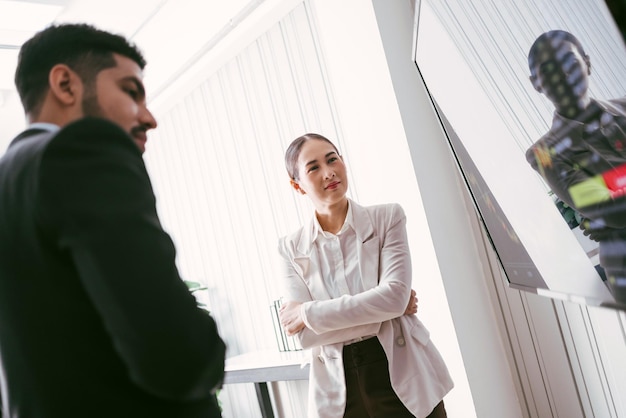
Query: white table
(260, 367)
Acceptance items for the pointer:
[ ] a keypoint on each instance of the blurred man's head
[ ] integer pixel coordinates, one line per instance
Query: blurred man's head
(560, 69)
(69, 71)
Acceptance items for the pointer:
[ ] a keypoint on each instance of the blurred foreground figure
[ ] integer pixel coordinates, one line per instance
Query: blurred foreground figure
(95, 320)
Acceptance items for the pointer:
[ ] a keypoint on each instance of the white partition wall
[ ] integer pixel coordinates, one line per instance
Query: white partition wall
(217, 165)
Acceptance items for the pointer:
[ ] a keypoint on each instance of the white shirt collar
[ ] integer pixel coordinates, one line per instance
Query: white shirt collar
(348, 222)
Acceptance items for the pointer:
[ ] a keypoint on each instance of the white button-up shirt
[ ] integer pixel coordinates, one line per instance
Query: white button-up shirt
(338, 259)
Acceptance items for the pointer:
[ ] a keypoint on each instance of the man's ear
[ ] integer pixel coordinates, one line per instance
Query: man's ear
(296, 186)
(588, 62)
(65, 85)
(535, 82)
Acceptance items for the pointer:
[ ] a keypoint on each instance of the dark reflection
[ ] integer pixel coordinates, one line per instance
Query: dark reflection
(583, 155)
(517, 264)
(473, 58)
(618, 10)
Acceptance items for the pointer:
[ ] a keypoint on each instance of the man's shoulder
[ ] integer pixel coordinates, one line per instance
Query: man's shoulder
(615, 105)
(26, 147)
(91, 134)
(553, 141)
(88, 127)
(91, 127)
(539, 146)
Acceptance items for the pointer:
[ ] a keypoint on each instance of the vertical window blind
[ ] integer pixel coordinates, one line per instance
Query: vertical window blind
(223, 193)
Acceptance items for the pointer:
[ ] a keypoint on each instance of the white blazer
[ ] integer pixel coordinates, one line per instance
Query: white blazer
(418, 373)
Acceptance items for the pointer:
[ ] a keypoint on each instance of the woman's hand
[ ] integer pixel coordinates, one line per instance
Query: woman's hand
(411, 307)
(290, 317)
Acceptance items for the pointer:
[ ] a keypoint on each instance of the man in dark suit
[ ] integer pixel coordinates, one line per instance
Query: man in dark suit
(95, 320)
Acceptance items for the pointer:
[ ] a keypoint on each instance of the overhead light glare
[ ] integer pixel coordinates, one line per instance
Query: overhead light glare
(8, 62)
(26, 16)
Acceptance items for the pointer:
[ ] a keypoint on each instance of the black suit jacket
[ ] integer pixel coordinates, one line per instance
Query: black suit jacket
(94, 318)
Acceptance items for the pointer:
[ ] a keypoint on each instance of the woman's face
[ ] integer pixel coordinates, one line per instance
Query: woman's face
(321, 173)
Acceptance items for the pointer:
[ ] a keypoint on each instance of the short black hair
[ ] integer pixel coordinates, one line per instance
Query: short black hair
(554, 39)
(82, 47)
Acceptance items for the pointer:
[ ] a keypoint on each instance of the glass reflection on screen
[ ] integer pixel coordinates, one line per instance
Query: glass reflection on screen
(540, 137)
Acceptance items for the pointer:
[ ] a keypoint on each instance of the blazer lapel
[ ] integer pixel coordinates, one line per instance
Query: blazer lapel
(306, 258)
(368, 246)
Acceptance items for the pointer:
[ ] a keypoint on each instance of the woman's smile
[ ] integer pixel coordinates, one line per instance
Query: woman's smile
(332, 185)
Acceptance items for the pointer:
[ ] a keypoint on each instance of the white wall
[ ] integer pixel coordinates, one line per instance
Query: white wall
(450, 220)
(12, 119)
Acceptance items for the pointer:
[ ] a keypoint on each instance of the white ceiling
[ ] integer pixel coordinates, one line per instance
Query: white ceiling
(121, 16)
(169, 33)
(20, 19)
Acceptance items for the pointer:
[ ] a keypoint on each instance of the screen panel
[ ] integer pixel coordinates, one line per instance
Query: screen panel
(473, 57)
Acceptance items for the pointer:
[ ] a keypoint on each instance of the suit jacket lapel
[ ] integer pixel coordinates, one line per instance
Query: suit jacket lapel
(306, 256)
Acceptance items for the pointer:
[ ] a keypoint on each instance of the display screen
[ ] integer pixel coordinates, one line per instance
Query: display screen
(536, 120)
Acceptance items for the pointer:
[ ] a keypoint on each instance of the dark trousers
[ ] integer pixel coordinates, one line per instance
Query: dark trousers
(368, 387)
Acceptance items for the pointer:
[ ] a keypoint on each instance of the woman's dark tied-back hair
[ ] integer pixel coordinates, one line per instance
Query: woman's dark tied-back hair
(293, 152)
(83, 48)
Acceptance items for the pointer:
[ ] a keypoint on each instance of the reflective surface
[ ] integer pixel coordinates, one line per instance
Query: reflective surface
(540, 139)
